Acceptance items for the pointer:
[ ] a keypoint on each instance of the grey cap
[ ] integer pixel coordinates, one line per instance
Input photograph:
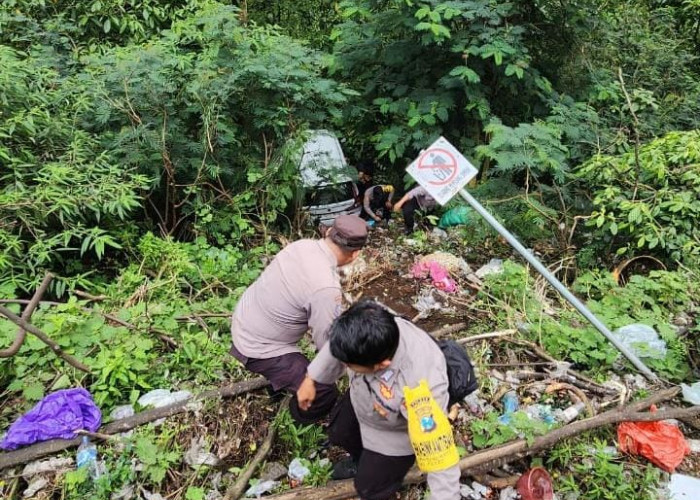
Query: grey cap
(349, 231)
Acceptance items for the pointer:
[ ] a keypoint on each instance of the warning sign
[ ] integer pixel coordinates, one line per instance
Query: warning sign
(442, 170)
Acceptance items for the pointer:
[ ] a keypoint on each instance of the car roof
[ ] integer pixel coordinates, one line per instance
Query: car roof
(323, 162)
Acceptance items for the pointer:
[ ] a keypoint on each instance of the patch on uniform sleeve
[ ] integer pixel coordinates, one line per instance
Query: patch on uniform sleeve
(380, 410)
(386, 391)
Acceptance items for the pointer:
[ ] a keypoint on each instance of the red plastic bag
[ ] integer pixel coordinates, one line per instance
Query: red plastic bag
(661, 443)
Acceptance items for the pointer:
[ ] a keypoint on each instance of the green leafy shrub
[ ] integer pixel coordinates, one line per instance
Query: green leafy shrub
(62, 196)
(652, 300)
(592, 472)
(650, 203)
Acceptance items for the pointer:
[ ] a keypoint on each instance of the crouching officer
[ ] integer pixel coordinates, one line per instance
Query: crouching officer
(299, 290)
(376, 204)
(387, 357)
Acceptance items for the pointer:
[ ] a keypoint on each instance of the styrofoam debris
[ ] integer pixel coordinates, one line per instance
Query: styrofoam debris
(52, 465)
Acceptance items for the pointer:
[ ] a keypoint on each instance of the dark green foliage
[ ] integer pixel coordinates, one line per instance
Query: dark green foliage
(202, 109)
(649, 203)
(431, 67)
(61, 194)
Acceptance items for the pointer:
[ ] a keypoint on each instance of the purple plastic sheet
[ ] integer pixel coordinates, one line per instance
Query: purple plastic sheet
(57, 416)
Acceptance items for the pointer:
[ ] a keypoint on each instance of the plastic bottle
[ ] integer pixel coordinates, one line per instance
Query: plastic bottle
(566, 416)
(87, 457)
(510, 405)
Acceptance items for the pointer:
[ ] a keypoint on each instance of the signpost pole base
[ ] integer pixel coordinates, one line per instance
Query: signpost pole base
(573, 300)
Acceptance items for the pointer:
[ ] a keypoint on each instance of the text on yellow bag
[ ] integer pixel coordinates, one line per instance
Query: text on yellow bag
(429, 430)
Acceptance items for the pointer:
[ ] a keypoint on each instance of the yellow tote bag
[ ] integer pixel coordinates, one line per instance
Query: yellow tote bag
(429, 430)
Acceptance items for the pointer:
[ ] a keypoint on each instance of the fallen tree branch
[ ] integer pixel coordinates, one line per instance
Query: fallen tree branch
(23, 455)
(474, 338)
(236, 490)
(26, 315)
(193, 317)
(44, 338)
(495, 457)
(446, 330)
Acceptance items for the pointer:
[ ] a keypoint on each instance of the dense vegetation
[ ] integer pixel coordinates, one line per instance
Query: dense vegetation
(145, 158)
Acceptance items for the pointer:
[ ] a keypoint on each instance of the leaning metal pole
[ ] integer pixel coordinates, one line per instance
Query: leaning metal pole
(573, 300)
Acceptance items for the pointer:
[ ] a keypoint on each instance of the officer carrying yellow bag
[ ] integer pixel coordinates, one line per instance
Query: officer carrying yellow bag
(429, 430)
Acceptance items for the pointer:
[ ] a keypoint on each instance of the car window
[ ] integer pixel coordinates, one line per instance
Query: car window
(326, 195)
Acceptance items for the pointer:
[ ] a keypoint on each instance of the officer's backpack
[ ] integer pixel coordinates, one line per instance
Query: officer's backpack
(461, 378)
(460, 371)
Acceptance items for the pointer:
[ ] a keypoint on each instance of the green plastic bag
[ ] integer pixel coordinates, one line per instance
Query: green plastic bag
(455, 216)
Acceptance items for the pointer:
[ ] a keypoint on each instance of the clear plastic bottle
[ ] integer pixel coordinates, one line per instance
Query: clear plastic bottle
(566, 416)
(87, 457)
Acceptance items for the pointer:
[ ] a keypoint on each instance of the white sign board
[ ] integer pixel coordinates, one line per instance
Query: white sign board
(442, 170)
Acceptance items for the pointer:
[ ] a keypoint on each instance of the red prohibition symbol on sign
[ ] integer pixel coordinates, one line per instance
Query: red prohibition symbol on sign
(441, 163)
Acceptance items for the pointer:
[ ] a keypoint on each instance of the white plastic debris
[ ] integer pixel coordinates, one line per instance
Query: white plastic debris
(126, 492)
(495, 266)
(147, 495)
(213, 495)
(257, 490)
(52, 465)
(691, 393)
(197, 454)
(35, 485)
(476, 405)
(694, 445)
(467, 492)
(570, 413)
(297, 471)
(684, 487)
(438, 234)
(480, 488)
(163, 397)
(508, 493)
(120, 412)
(642, 339)
(560, 369)
(426, 302)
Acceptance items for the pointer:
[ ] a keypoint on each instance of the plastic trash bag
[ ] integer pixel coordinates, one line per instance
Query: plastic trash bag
(691, 393)
(642, 340)
(429, 430)
(297, 471)
(57, 416)
(455, 216)
(257, 490)
(661, 443)
(163, 397)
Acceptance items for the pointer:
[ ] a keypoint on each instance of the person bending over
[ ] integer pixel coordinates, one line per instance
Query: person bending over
(417, 198)
(299, 290)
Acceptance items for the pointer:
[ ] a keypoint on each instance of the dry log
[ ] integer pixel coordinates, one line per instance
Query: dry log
(483, 336)
(236, 490)
(26, 315)
(44, 338)
(446, 330)
(23, 455)
(495, 457)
